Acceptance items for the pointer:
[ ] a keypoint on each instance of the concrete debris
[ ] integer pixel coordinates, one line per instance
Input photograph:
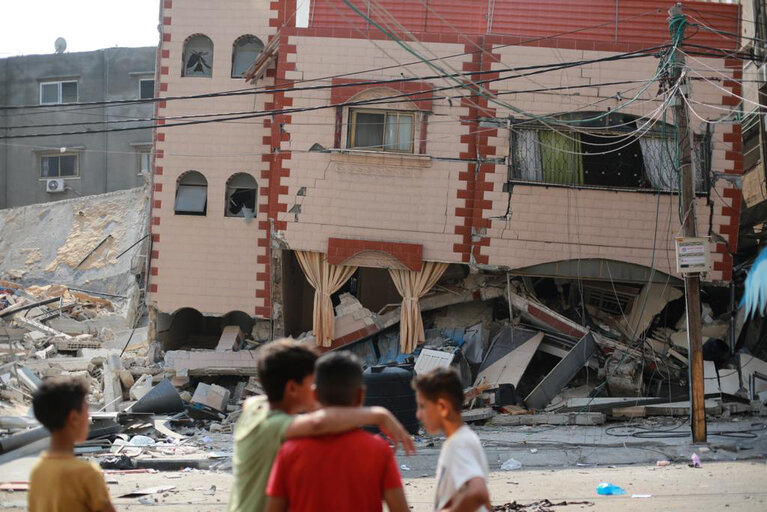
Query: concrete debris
(211, 395)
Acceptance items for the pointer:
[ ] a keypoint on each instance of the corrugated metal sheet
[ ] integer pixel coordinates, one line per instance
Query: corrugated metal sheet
(534, 18)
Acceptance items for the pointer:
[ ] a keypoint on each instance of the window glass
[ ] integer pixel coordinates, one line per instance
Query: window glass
(241, 190)
(146, 89)
(50, 167)
(246, 50)
(144, 161)
(198, 57)
(68, 165)
(69, 92)
(49, 93)
(368, 130)
(405, 133)
(191, 199)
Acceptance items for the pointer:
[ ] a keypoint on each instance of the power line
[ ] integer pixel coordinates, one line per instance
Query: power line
(189, 116)
(272, 90)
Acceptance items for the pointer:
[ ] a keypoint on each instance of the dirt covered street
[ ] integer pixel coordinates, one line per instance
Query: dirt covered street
(737, 486)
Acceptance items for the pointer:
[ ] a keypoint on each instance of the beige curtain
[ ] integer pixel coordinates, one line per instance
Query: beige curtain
(412, 285)
(326, 280)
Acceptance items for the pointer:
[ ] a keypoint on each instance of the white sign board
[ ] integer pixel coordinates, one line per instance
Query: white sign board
(692, 255)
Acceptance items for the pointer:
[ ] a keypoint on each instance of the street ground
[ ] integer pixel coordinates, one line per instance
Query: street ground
(563, 463)
(736, 486)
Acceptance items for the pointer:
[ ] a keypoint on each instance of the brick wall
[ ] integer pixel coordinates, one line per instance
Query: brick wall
(211, 262)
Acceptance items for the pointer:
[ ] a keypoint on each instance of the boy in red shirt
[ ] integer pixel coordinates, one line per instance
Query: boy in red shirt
(353, 471)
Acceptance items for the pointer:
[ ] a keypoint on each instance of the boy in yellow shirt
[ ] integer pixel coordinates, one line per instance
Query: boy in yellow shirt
(60, 482)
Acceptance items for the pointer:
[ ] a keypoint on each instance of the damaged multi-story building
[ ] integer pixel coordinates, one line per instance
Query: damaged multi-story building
(393, 146)
(71, 123)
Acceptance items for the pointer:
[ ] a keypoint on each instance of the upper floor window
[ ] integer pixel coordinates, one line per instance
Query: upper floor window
(60, 165)
(603, 153)
(244, 54)
(191, 194)
(198, 56)
(144, 159)
(241, 191)
(53, 93)
(381, 130)
(146, 88)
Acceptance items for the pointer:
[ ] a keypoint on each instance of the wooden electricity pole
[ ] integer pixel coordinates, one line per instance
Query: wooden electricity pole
(691, 280)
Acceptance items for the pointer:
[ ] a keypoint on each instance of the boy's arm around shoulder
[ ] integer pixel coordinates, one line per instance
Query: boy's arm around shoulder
(331, 420)
(394, 499)
(470, 497)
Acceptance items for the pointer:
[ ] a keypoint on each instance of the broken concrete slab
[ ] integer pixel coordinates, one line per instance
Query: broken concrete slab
(113, 393)
(231, 337)
(211, 395)
(209, 363)
(141, 387)
(713, 407)
(582, 418)
(508, 357)
(562, 373)
(480, 414)
(650, 301)
(28, 378)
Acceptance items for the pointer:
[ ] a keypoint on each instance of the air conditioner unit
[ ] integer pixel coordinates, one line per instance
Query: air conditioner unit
(54, 186)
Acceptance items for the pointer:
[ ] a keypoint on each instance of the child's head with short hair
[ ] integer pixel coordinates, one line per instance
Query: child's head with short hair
(338, 380)
(439, 395)
(286, 372)
(60, 406)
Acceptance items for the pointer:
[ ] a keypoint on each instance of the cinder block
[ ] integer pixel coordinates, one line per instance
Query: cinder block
(215, 397)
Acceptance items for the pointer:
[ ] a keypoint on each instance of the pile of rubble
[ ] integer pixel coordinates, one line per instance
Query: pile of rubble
(585, 352)
(140, 419)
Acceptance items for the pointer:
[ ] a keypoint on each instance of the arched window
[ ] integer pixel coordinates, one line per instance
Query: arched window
(241, 193)
(191, 194)
(244, 53)
(198, 56)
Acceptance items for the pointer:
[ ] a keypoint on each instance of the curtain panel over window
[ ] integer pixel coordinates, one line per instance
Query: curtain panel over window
(412, 285)
(326, 279)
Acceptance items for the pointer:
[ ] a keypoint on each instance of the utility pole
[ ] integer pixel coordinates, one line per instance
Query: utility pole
(691, 280)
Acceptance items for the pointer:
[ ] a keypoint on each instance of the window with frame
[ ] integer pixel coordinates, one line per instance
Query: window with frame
(60, 165)
(244, 54)
(241, 193)
(191, 194)
(602, 153)
(146, 88)
(144, 160)
(381, 130)
(54, 93)
(198, 57)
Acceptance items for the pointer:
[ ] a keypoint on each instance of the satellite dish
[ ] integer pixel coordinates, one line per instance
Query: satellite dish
(60, 44)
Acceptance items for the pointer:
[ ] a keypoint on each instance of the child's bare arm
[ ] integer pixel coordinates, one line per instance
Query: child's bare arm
(276, 504)
(340, 419)
(395, 500)
(472, 495)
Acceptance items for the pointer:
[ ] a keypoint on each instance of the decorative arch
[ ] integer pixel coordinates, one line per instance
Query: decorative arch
(245, 50)
(241, 196)
(197, 56)
(191, 194)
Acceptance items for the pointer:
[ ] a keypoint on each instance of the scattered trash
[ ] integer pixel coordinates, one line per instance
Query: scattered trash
(609, 489)
(211, 491)
(142, 441)
(405, 467)
(533, 450)
(538, 506)
(663, 463)
(511, 465)
(148, 491)
(641, 495)
(695, 461)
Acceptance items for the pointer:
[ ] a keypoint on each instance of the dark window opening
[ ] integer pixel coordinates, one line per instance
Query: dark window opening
(146, 89)
(241, 191)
